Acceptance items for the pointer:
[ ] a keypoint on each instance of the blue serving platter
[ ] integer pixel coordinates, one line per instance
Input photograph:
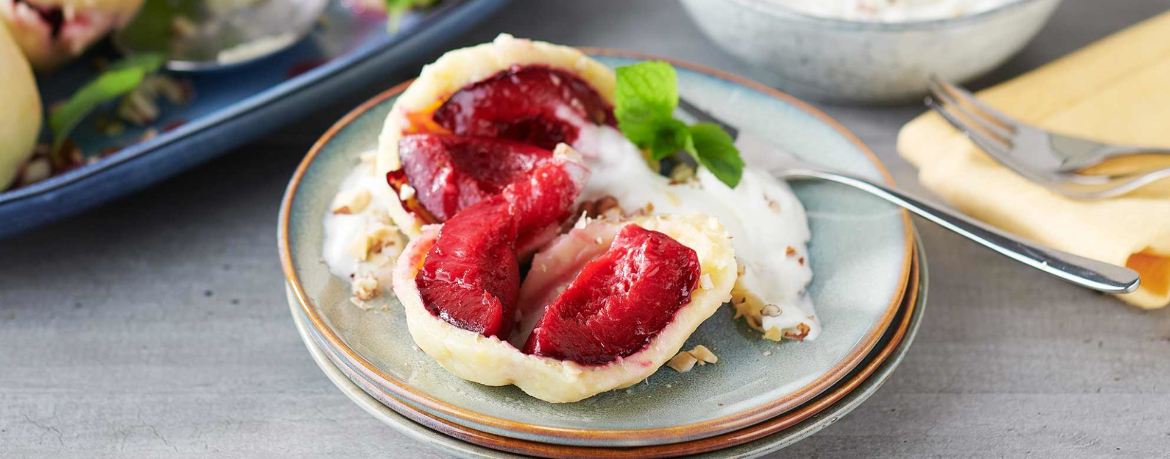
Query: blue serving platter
(349, 50)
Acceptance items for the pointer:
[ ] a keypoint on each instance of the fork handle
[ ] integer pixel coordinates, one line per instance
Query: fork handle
(1078, 270)
(1105, 152)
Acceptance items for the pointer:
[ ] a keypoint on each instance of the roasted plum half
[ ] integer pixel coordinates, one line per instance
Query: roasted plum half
(479, 116)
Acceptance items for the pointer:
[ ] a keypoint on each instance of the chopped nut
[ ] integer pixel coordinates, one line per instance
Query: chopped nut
(406, 192)
(790, 251)
(351, 202)
(360, 248)
(705, 282)
(138, 107)
(365, 287)
(801, 332)
(683, 362)
(607, 204)
(800, 260)
(704, 355)
(376, 240)
(681, 173)
(34, 171)
(771, 310)
(383, 237)
(583, 221)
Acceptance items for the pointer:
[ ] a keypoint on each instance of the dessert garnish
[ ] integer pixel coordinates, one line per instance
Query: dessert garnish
(647, 94)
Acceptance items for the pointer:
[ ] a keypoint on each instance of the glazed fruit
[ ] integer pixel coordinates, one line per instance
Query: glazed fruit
(618, 302)
(471, 276)
(51, 32)
(453, 172)
(528, 104)
(488, 134)
(450, 93)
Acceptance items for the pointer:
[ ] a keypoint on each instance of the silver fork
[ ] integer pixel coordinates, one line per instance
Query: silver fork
(1078, 270)
(1050, 159)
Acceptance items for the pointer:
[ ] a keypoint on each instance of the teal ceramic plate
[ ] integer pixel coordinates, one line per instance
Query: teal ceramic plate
(860, 253)
(871, 374)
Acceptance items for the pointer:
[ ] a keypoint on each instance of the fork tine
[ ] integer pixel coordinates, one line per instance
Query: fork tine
(980, 119)
(984, 141)
(991, 114)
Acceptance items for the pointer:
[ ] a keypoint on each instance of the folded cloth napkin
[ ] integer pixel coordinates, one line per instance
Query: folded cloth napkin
(1115, 90)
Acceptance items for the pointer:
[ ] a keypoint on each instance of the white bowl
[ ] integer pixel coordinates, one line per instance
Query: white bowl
(872, 62)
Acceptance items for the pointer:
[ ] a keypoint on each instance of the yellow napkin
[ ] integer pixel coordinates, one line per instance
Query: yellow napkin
(1115, 90)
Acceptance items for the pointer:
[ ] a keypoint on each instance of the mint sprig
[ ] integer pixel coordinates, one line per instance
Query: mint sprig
(646, 96)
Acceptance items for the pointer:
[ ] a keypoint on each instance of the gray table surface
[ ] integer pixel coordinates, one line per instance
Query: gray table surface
(156, 326)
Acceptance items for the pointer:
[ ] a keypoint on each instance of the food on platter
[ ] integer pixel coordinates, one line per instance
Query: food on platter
(20, 121)
(547, 250)
(52, 32)
(43, 34)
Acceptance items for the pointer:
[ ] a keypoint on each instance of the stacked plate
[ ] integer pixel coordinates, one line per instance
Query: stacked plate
(869, 287)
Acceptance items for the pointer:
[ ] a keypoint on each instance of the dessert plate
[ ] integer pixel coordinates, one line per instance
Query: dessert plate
(860, 253)
(762, 438)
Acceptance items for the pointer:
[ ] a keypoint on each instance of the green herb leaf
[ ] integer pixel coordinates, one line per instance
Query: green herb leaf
(396, 8)
(647, 93)
(715, 149)
(121, 78)
(646, 96)
(148, 62)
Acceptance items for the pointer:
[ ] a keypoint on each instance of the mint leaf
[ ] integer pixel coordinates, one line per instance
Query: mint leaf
(646, 96)
(669, 136)
(395, 9)
(121, 78)
(714, 148)
(646, 93)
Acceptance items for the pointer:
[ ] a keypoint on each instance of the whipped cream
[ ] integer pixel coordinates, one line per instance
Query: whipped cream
(363, 244)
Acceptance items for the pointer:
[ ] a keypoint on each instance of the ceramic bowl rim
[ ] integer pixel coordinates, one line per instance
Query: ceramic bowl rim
(654, 435)
(785, 12)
